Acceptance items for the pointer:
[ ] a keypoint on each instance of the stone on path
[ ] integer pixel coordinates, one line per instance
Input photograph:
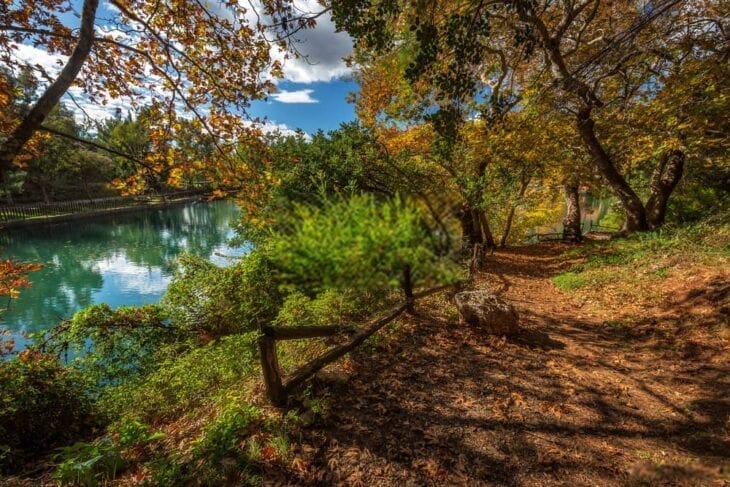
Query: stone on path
(485, 310)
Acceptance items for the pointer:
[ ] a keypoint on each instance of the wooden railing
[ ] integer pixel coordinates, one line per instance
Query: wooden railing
(278, 387)
(10, 213)
(544, 237)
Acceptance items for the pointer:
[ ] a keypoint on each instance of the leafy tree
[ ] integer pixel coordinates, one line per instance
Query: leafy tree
(590, 59)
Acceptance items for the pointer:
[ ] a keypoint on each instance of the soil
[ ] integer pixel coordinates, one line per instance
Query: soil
(574, 399)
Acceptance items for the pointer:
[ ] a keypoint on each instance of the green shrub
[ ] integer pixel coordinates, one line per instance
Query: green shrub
(134, 433)
(223, 436)
(329, 307)
(42, 406)
(113, 345)
(357, 246)
(211, 302)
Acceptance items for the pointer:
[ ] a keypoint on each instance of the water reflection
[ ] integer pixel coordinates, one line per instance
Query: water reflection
(119, 260)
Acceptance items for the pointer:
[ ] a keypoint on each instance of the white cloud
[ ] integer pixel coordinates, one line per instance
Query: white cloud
(298, 96)
(51, 63)
(272, 127)
(321, 49)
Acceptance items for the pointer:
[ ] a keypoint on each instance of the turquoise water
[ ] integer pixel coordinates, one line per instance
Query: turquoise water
(119, 260)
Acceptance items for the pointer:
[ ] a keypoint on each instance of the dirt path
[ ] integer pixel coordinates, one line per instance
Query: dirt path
(569, 402)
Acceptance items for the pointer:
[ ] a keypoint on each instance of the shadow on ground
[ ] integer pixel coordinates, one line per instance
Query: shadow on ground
(565, 402)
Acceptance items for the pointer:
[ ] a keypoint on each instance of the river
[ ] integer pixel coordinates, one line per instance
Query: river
(120, 260)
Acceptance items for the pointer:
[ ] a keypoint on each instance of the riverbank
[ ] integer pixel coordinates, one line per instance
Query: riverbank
(82, 215)
(428, 401)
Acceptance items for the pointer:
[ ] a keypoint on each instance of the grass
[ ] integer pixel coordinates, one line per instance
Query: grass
(630, 268)
(569, 281)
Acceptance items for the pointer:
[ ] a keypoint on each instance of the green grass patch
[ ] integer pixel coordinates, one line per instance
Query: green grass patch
(569, 281)
(625, 266)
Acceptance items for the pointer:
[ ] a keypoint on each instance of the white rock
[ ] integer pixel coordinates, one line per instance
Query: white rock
(485, 310)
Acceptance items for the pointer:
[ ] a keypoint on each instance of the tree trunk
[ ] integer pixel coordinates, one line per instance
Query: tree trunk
(486, 237)
(510, 217)
(44, 193)
(50, 98)
(86, 190)
(665, 178)
(466, 218)
(571, 222)
(507, 227)
(635, 211)
(473, 246)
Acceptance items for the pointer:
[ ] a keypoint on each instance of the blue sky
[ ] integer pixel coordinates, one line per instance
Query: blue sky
(311, 96)
(326, 110)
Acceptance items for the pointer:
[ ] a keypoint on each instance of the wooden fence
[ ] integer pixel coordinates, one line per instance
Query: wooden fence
(10, 213)
(543, 237)
(592, 227)
(279, 387)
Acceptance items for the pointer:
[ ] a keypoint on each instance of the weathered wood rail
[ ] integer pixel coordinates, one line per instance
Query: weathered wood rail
(592, 227)
(278, 387)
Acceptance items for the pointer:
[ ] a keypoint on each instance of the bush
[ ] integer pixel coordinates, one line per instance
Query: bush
(112, 345)
(88, 463)
(42, 405)
(355, 248)
(211, 302)
(222, 436)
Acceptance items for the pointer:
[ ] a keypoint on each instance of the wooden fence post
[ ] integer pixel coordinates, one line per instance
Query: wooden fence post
(408, 289)
(475, 262)
(271, 371)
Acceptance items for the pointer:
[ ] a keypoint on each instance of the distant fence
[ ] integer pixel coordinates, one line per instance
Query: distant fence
(592, 227)
(11, 213)
(545, 237)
